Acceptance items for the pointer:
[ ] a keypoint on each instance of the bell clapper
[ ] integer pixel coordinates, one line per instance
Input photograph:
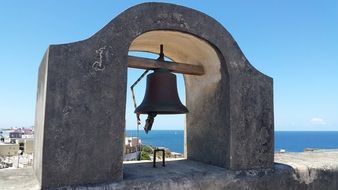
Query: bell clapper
(149, 122)
(138, 119)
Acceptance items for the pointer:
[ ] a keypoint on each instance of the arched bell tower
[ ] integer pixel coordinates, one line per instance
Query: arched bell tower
(81, 97)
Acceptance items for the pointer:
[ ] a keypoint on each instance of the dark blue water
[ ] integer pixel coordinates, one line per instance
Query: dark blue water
(296, 141)
(291, 141)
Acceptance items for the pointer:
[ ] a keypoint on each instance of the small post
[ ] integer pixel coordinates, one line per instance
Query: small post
(154, 159)
(163, 157)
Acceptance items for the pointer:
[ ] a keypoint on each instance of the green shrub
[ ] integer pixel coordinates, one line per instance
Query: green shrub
(147, 149)
(144, 156)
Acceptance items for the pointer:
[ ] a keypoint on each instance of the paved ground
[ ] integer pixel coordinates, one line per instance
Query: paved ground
(18, 179)
(299, 170)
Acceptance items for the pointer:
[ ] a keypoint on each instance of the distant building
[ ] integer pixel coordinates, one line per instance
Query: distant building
(132, 141)
(15, 135)
(29, 144)
(11, 135)
(22, 137)
(9, 149)
(131, 148)
(131, 144)
(26, 145)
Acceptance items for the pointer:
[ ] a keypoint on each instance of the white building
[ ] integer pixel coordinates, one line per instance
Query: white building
(132, 141)
(131, 148)
(22, 137)
(7, 149)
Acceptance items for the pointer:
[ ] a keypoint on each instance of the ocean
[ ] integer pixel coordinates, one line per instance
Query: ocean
(291, 141)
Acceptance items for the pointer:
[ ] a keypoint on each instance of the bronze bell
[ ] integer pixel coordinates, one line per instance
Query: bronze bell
(161, 95)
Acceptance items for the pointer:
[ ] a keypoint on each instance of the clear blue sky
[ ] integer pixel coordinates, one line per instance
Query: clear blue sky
(295, 42)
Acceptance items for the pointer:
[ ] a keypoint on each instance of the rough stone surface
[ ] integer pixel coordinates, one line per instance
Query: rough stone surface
(298, 171)
(80, 117)
(312, 166)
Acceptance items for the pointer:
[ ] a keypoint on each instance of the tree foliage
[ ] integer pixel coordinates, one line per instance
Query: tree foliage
(144, 156)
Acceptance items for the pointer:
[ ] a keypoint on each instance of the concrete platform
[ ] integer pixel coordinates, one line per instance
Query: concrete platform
(315, 170)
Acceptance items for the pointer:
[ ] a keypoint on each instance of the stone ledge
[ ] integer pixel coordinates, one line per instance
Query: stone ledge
(306, 170)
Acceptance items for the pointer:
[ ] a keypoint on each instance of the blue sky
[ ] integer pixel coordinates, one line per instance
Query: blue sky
(295, 42)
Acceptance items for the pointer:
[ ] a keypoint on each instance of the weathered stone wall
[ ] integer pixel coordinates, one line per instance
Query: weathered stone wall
(316, 170)
(80, 119)
(83, 131)
(252, 120)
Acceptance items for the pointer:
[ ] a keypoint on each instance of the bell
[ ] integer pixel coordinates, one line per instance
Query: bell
(161, 95)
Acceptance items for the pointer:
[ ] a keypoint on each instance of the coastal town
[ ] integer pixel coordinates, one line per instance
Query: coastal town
(16, 147)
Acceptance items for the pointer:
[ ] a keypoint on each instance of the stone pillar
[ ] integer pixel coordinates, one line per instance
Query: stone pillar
(80, 116)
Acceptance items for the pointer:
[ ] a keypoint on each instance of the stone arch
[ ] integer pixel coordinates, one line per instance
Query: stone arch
(82, 93)
(200, 90)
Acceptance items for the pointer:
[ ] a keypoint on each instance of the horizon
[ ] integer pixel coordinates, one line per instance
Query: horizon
(141, 129)
(295, 43)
